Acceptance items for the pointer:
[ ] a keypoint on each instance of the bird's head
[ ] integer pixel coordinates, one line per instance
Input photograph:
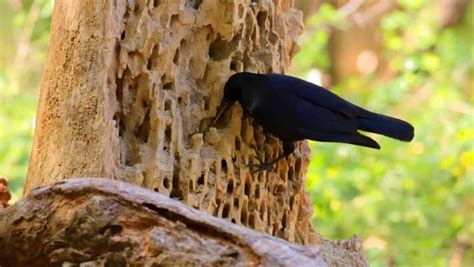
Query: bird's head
(233, 88)
(242, 87)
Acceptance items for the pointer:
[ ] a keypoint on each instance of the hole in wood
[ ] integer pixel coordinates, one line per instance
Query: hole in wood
(298, 165)
(167, 105)
(153, 56)
(224, 165)
(221, 49)
(284, 221)
(226, 211)
(257, 192)
(247, 188)
(237, 143)
(121, 128)
(176, 191)
(166, 183)
(111, 229)
(252, 220)
(244, 215)
(168, 86)
(230, 187)
(233, 65)
(176, 57)
(195, 3)
(190, 186)
(200, 180)
(291, 174)
(206, 103)
(261, 18)
(143, 130)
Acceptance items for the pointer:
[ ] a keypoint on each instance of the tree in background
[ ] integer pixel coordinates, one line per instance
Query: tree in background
(24, 28)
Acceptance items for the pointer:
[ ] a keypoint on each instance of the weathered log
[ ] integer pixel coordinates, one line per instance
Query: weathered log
(102, 222)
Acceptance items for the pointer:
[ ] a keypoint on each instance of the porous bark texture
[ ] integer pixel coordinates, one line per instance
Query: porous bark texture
(102, 222)
(130, 88)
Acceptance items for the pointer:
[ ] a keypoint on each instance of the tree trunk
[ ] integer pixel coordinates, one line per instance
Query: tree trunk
(130, 88)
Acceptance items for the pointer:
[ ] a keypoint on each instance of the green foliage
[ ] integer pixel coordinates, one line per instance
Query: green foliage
(317, 39)
(16, 123)
(20, 72)
(411, 203)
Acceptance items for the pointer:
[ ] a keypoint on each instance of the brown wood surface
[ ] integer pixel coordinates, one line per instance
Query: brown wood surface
(102, 221)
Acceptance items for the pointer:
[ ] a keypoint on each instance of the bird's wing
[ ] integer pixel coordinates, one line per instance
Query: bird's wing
(323, 124)
(315, 94)
(323, 120)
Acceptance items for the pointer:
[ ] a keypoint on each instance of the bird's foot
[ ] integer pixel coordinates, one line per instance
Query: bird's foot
(262, 166)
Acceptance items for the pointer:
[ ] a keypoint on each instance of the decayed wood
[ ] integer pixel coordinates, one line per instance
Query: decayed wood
(102, 221)
(129, 88)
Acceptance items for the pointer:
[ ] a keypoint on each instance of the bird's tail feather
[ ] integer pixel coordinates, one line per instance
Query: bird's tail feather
(360, 140)
(385, 125)
(348, 138)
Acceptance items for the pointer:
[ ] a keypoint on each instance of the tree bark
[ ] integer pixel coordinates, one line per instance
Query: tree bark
(130, 88)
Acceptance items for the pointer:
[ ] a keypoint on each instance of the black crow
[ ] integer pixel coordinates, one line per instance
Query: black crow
(293, 109)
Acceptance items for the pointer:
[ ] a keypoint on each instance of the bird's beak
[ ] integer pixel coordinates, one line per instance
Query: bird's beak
(222, 111)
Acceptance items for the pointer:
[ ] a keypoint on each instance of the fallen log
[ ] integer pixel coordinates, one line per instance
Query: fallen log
(100, 222)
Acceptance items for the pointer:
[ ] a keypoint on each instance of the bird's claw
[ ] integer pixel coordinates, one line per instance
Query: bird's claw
(262, 166)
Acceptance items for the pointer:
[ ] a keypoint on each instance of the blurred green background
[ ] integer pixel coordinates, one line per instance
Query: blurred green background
(411, 203)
